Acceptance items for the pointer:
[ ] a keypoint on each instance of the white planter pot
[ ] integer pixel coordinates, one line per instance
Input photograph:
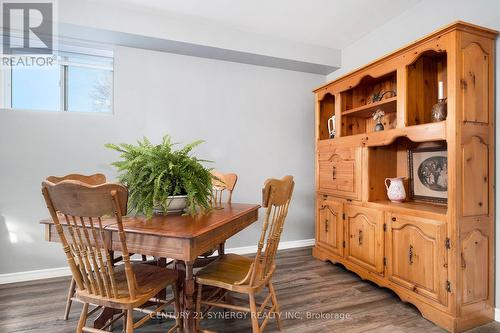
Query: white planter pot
(176, 204)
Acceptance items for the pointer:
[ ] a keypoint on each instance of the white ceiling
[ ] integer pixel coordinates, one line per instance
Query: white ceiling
(329, 23)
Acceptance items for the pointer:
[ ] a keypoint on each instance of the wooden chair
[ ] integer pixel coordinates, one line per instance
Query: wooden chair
(221, 183)
(234, 273)
(123, 287)
(95, 179)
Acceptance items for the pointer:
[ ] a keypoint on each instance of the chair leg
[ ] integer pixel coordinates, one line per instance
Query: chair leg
(254, 314)
(277, 311)
(130, 321)
(111, 327)
(198, 308)
(71, 293)
(83, 318)
(177, 307)
(124, 321)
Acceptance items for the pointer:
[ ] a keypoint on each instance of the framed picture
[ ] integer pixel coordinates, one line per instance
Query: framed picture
(428, 170)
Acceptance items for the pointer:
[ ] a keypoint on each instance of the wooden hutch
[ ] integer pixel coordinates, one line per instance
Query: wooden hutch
(439, 257)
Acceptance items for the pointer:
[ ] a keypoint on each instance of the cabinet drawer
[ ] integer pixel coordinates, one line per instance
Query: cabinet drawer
(340, 171)
(417, 255)
(329, 227)
(365, 237)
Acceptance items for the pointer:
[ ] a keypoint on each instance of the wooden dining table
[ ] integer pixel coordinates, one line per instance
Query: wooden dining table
(180, 237)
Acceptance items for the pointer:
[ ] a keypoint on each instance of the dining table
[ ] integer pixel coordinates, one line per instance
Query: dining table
(181, 237)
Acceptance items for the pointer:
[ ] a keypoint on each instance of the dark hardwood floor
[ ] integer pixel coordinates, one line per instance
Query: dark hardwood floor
(305, 286)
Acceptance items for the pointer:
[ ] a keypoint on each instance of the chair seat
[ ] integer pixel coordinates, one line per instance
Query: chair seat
(151, 279)
(225, 271)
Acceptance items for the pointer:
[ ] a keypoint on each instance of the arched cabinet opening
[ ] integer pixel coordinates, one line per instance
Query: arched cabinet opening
(326, 112)
(361, 102)
(426, 86)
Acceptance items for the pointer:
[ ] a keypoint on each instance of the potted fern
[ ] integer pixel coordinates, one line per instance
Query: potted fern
(161, 179)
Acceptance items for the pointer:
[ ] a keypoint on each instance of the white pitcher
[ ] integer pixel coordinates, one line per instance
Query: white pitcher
(331, 126)
(395, 189)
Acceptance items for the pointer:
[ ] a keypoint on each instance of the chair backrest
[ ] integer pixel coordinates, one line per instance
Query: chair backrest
(276, 196)
(95, 179)
(81, 206)
(221, 183)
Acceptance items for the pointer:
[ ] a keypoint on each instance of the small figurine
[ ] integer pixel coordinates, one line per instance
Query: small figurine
(377, 116)
(439, 110)
(377, 97)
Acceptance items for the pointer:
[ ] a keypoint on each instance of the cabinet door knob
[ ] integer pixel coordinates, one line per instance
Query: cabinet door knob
(333, 173)
(326, 225)
(360, 237)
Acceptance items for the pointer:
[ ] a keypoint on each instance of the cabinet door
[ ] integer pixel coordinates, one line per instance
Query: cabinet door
(340, 171)
(365, 237)
(416, 257)
(330, 225)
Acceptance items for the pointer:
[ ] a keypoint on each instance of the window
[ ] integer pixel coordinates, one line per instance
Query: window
(81, 80)
(35, 88)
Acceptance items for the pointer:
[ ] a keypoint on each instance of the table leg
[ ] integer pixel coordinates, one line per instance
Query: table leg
(189, 319)
(222, 249)
(181, 270)
(162, 262)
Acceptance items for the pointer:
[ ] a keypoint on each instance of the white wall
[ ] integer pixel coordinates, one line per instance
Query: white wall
(257, 121)
(425, 17)
(420, 20)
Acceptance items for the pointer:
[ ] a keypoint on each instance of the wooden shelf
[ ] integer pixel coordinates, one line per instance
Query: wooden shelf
(388, 105)
(437, 211)
(416, 133)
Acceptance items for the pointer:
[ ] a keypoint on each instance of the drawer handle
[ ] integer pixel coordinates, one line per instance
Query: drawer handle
(410, 255)
(326, 225)
(333, 173)
(360, 237)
